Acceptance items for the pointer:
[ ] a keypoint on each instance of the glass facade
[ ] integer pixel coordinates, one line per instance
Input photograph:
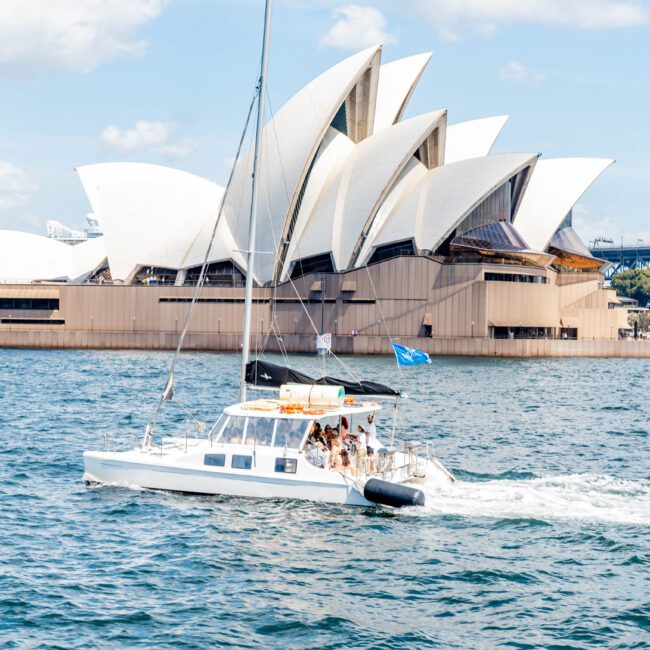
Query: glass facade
(218, 274)
(520, 332)
(340, 121)
(389, 251)
(155, 275)
(496, 236)
(515, 277)
(16, 304)
(316, 264)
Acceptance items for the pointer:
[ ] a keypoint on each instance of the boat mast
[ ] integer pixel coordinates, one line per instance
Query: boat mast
(252, 227)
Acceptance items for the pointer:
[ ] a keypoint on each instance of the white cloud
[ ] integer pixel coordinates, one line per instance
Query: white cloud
(16, 187)
(143, 135)
(147, 136)
(31, 220)
(484, 16)
(591, 226)
(72, 34)
(357, 27)
(181, 149)
(517, 73)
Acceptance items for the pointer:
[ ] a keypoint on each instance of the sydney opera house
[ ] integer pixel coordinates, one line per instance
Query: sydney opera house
(371, 225)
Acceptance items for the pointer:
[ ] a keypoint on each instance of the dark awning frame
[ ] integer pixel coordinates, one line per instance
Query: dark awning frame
(262, 374)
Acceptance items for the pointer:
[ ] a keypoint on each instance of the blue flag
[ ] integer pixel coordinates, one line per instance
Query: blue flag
(409, 356)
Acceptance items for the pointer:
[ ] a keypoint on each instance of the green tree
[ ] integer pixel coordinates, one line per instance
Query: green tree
(642, 319)
(633, 284)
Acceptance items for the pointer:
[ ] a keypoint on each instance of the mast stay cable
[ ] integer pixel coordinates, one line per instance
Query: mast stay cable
(167, 392)
(340, 361)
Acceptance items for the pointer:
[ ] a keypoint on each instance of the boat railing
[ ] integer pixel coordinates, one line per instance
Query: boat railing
(111, 439)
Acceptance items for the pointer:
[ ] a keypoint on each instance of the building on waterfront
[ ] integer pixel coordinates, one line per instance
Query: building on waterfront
(371, 225)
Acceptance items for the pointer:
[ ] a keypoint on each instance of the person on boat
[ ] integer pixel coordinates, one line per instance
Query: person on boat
(335, 453)
(316, 435)
(361, 443)
(328, 434)
(374, 446)
(345, 429)
(317, 455)
(348, 467)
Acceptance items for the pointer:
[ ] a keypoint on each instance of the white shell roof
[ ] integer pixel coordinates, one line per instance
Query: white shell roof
(446, 195)
(472, 139)
(397, 81)
(554, 188)
(413, 172)
(156, 216)
(26, 257)
(352, 197)
(290, 142)
(333, 153)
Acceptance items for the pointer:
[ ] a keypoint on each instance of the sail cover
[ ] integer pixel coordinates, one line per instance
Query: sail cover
(269, 375)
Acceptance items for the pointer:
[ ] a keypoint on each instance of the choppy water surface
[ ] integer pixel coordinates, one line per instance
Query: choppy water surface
(544, 541)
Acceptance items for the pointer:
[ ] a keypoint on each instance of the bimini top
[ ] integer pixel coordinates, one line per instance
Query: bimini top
(263, 374)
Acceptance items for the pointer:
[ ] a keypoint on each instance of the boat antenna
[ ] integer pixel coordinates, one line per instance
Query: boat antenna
(252, 225)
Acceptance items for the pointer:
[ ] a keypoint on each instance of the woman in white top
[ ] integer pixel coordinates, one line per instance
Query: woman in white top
(362, 444)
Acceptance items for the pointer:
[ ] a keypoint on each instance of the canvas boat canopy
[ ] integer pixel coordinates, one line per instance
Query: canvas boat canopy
(263, 374)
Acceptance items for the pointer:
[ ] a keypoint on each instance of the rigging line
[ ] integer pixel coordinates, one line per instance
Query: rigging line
(202, 275)
(265, 171)
(291, 281)
(383, 320)
(273, 314)
(286, 188)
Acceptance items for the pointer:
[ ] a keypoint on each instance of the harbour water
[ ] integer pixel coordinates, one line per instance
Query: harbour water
(543, 542)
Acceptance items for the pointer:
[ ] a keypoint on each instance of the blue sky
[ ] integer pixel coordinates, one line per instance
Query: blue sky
(168, 81)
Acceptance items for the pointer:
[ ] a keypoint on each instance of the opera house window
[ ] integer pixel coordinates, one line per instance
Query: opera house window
(519, 332)
(14, 304)
(153, 275)
(515, 277)
(218, 274)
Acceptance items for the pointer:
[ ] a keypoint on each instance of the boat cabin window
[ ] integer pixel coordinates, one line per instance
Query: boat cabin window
(286, 465)
(241, 462)
(290, 433)
(260, 431)
(233, 432)
(217, 460)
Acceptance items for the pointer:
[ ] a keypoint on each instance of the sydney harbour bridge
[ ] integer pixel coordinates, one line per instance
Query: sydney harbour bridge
(622, 257)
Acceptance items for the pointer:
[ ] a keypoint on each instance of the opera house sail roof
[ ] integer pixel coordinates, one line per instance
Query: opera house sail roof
(348, 180)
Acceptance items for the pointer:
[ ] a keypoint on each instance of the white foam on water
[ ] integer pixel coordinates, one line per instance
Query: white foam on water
(576, 496)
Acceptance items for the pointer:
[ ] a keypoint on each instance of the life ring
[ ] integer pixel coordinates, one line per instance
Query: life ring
(314, 411)
(291, 409)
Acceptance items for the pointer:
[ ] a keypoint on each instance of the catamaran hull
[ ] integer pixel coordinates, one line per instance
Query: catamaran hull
(99, 468)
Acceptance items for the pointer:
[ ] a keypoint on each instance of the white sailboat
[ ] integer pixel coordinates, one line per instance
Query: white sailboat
(265, 448)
